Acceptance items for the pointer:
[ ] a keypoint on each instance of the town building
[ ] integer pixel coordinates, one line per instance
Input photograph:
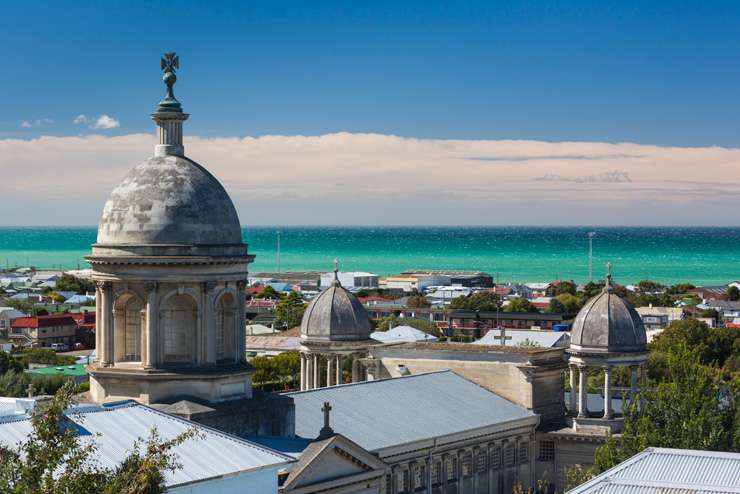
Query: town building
(42, 331)
(7, 315)
(659, 317)
(436, 432)
(662, 470)
(401, 334)
(351, 279)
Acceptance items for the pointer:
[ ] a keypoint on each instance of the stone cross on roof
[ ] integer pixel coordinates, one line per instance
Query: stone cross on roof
(326, 431)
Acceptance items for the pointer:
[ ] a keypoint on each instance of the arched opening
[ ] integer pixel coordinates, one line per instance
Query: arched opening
(128, 327)
(225, 319)
(178, 316)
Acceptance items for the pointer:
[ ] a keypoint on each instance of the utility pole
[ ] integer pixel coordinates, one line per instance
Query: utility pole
(591, 256)
(278, 251)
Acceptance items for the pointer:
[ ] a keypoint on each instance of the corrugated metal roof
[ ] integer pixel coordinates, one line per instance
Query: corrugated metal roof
(389, 412)
(544, 339)
(665, 470)
(214, 454)
(401, 334)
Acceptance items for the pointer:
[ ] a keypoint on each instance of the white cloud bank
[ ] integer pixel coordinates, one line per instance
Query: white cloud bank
(29, 124)
(380, 179)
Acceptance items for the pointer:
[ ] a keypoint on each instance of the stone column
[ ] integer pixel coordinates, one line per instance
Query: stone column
(309, 373)
(106, 342)
(98, 323)
(573, 388)
(607, 393)
(151, 359)
(338, 379)
(355, 369)
(316, 375)
(633, 382)
(582, 390)
(208, 338)
(303, 372)
(329, 369)
(241, 327)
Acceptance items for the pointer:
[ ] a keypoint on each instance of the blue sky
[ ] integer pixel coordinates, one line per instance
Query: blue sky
(665, 73)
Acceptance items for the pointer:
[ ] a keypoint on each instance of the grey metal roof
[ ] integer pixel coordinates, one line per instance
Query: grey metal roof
(335, 315)
(214, 454)
(402, 334)
(665, 470)
(389, 412)
(544, 339)
(608, 323)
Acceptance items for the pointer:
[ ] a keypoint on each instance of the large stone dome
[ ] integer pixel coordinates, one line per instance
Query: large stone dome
(608, 324)
(170, 201)
(335, 315)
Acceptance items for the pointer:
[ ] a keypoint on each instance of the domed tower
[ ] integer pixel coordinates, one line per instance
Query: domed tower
(335, 326)
(607, 332)
(170, 268)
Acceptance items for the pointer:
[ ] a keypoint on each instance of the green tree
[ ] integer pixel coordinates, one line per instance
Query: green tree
(560, 287)
(690, 410)
(417, 301)
(69, 283)
(9, 363)
(519, 304)
(268, 292)
(733, 293)
(571, 303)
(556, 306)
(21, 305)
(287, 368)
(483, 300)
(680, 288)
(592, 289)
(648, 286)
(54, 460)
(289, 311)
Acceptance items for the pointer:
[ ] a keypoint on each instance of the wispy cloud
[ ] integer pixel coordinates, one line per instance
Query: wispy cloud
(30, 124)
(612, 177)
(346, 178)
(103, 122)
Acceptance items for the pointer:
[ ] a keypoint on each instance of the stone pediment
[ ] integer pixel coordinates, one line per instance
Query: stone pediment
(336, 459)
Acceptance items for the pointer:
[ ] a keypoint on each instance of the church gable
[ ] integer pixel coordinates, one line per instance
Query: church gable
(332, 459)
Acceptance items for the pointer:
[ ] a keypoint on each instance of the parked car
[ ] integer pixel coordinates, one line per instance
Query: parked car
(60, 347)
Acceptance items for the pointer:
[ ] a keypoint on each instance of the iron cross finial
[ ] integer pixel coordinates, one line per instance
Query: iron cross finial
(169, 63)
(608, 275)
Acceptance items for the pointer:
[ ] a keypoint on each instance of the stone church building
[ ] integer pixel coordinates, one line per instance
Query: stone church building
(171, 267)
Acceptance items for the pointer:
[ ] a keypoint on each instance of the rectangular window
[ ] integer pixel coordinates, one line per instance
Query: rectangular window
(406, 483)
(523, 453)
(437, 473)
(547, 451)
(389, 484)
(452, 469)
(509, 453)
(467, 465)
(495, 457)
(419, 477)
(480, 462)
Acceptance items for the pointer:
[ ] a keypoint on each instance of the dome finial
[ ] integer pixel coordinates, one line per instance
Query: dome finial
(336, 273)
(168, 63)
(169, 115)
(608, 285)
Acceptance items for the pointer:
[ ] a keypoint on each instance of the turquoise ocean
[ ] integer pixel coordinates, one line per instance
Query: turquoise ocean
(666, 254)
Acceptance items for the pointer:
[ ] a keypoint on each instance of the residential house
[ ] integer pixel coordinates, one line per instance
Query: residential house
(659, 317)
(42, 331)
(7, 315)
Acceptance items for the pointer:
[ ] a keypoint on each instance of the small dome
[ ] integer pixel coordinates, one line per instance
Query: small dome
(169, 200)
(608, 323)
(335, 315)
